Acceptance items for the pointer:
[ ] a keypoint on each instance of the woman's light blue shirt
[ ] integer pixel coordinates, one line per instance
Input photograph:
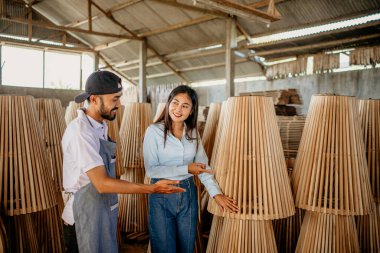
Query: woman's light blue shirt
(170, 161)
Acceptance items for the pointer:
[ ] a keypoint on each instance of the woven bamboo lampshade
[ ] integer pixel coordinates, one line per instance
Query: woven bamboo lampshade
(36, 232)
(136, 119)
(208, 137)
(71, 111)
(241, 236)
(113, 133)
(53, 124)
(25, 183)
(133, 208)
(160, 109)
(249, 162)
(119, 115)
(369, 111)
(368, 227)
(328, 233)
(330, 173)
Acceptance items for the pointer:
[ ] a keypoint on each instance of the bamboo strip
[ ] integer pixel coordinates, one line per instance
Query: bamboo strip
(119, 115)
(3, 237)
(71, 111)
(291, 128)
(233, 235)
(26, 180)
(330, 173)
(369, 111)
(368, 227)
(159, 111)
(249, 161)
(328, 233)
(113, 133)
(208, 137)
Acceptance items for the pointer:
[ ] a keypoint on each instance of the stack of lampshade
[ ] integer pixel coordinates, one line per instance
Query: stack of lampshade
(250, 167)
(27, 191)
(133, 208)
(331, 176)
(369, 225)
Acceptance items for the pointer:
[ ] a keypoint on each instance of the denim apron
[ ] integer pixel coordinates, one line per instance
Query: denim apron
(95, 214)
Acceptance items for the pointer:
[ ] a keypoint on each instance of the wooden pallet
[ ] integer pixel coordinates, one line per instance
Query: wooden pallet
(249, 162)
(328, 233)
(26, 183)
(331, 173)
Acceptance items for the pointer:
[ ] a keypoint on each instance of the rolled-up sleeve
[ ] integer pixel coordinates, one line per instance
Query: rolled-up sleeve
(151, 161)
(208, 180)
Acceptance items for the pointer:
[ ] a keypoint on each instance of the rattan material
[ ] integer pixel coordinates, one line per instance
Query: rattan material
(328, 233)
(368, 227)
(369, 111)
(26, 181)
(249, 161)
(209, 133)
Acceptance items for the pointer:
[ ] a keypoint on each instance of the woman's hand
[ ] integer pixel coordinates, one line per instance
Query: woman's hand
(198, 168)
(226, 204)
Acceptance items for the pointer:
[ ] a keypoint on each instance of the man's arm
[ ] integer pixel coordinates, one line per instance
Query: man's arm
(105, 184)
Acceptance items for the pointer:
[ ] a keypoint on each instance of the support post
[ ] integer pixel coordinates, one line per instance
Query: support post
(142, 72)
(231, 44)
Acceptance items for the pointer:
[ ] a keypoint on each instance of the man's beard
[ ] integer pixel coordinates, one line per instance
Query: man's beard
(106, 115)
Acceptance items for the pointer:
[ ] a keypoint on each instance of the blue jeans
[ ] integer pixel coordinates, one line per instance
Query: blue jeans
(173, 219)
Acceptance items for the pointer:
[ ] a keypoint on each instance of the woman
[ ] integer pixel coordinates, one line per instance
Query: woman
(173, 150)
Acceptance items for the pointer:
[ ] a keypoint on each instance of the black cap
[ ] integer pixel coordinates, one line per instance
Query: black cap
(100, 83)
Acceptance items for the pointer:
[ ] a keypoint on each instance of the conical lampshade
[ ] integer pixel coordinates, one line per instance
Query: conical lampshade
(331, 173)
(368, 227)
(208, 137)
(136, 119)
(369, 111)
(71, 111)
(328, 233)
(25, 176)
(242, 236)
(53, 124)
(133, 208)
(213, 240)
(160, 109)
(249, 162)
(119, 115)
(113, 133)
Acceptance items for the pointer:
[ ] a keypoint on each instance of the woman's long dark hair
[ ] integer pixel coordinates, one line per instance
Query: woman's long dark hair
(191, 121)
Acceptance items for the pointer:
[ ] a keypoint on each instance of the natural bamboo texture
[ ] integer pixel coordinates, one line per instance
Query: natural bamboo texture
(242, 236)
(52, 120)
(119, 115)
(365, 56)
(280, 97)
(325, 62)
(133, 208)
(249, 162)
(369, 111)
(328, 233)
(331, 174)
(113, 133)
(160, 109)
(71, 111)
(282, 70)
(136, 119)
(209, 133)
(36, 232)
(291, 128)
(214, 237)
(26, 183)
(368, 227)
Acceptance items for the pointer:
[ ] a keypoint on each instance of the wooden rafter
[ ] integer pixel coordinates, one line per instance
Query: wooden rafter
(109, 66)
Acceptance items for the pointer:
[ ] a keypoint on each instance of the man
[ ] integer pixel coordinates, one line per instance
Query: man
(89, 170)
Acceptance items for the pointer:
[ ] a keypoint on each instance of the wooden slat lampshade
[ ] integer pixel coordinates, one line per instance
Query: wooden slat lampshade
(133, 208)
(328, 233)
(113, 133)
(331, 173)
(26, 183)
(249, 162)
(3, 237)
(241, 236)
(368, 227)
(119, 115)
(208, 137)
(369, 111)
(136, 119)
(160, 109)
(71, 111)
(52, 120)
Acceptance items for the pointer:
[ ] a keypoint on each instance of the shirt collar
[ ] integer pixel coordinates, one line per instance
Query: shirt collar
(94, 123)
